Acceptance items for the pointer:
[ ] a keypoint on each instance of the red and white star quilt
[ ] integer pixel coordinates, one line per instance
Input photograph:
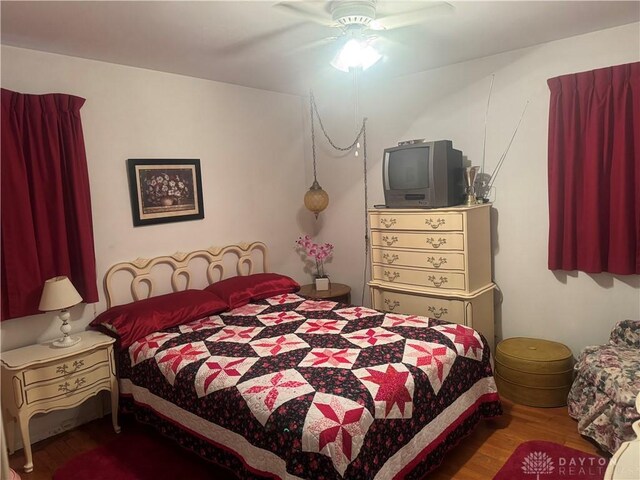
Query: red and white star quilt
(354, 313)
(320, 326)
(371, 337)
(245, 310)
(172, 360)
(266, 393)
(206, 323)
(434, 359)
(336, 426)
(147, 347)
(279, 317)
(219, 372)
(284, 299)
(391, 387)
(316, 305)
(330, 358)
(466, 340)
(277, 345)
(296, 388)
(399, 320)
(236, 334)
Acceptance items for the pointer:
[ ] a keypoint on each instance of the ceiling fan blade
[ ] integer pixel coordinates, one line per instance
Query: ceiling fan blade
(257, 41)
(312, 45)
(305, 10)
(411, 17)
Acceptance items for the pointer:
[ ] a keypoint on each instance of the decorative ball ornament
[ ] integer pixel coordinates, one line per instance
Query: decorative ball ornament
(316, 199)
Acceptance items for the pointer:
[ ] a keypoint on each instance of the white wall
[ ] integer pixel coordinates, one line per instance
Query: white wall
(450, 103)
(249, 142)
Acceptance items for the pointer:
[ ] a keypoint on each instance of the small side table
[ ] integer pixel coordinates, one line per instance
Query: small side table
(337, 292)
(41, 378)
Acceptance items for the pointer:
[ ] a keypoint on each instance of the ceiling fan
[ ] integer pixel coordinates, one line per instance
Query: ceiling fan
(360, 21)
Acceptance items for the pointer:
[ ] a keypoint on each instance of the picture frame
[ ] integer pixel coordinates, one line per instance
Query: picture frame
(165, 190)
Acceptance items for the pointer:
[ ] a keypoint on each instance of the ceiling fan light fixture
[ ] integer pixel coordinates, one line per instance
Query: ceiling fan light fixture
(356, 53)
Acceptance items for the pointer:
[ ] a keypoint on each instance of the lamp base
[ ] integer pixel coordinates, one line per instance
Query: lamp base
(65, 342)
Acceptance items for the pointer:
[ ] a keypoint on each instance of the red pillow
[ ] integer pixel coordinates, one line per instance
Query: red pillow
(138, 319)
(238, 291)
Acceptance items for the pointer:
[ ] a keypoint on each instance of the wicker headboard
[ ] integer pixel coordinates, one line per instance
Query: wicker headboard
(178, 271)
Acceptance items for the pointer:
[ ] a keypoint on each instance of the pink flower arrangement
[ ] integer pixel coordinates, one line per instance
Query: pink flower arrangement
(316, 251)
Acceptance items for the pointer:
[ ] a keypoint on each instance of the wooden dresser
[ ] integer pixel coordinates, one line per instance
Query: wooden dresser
(435, 263)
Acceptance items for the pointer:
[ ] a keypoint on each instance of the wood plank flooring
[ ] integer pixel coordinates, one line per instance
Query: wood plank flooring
(477, 457)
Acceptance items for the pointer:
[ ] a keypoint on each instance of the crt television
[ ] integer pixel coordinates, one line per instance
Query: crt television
(423, 175)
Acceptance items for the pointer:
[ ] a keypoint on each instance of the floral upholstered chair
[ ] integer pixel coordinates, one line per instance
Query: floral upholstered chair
(603, 394)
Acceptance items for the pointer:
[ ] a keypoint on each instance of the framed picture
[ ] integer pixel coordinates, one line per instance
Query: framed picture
(164, 191)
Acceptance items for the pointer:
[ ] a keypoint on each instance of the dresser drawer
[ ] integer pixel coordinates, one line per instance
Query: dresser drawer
(449, 310)
(71, 385)
(67, 366)
(425, 241)
(407, 258)
(417, 221)
(444, 280)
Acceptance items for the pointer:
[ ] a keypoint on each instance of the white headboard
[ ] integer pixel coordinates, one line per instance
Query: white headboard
(179, 270)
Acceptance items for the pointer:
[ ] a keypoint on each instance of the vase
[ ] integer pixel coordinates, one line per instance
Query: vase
(322, 283)
(166, 201)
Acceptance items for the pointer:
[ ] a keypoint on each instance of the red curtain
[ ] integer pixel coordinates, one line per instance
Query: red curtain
(47, 227)
(594, 171)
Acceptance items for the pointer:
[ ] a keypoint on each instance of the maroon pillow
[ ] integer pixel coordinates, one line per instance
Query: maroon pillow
(138, 319)
(238, 291)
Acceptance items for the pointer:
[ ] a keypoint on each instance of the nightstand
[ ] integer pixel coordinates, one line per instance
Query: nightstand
(41, 378)
(337, 292)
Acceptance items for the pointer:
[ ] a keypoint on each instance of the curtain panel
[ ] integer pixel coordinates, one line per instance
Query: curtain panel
(47, 229)
(594, 171)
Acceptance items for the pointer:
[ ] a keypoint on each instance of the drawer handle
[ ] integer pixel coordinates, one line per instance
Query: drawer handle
(435, 224)
(436, 243)
(64, 369)
(388, 223)
(437, 314)
(390, 258)
(436, 263)
(64, 387)
(389, 241)
(438, 284)
(390, 276)
(391, 306)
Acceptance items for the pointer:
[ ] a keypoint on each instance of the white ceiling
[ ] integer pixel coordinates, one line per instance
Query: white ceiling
(260, 44)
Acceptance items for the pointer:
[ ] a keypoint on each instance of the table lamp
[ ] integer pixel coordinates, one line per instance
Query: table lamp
(60, 294)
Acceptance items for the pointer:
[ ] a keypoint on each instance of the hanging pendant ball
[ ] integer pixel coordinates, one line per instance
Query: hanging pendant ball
(316, 199)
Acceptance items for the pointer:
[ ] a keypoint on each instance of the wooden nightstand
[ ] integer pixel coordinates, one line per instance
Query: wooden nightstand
(41, 378)
(337, 292)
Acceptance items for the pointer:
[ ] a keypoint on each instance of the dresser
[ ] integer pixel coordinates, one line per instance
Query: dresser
(41, 378)
(435, 263)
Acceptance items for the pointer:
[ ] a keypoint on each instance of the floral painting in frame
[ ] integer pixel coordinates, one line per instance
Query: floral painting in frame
(165, 190)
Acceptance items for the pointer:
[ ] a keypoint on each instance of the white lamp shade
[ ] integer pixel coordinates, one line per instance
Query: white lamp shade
(58, 294)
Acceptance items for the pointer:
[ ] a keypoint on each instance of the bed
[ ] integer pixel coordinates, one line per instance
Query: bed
(275, 385)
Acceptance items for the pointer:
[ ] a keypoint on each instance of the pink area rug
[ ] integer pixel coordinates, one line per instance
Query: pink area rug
(138, 456)
(539, 460)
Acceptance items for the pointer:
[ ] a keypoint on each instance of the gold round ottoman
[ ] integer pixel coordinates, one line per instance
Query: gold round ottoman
(534, 372)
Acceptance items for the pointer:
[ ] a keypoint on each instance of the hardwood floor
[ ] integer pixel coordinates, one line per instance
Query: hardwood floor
(477, 457)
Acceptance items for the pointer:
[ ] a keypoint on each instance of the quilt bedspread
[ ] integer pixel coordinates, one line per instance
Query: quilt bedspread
(299, 388)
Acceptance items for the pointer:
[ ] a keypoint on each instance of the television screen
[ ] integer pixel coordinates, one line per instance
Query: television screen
(409, 168)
